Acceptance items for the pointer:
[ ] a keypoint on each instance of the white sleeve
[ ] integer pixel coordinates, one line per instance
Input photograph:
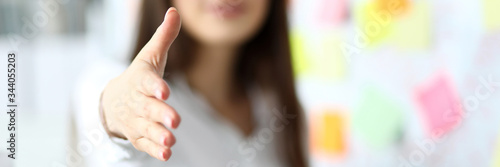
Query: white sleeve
(91, 145)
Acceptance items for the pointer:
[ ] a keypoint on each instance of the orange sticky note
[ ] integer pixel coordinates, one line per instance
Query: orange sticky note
(388, 5)
(328, 130)
(439, 104)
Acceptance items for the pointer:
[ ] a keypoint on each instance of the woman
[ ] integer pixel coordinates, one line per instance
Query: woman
(229, 77)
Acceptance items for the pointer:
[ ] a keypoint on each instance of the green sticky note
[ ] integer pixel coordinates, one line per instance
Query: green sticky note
(378, 119)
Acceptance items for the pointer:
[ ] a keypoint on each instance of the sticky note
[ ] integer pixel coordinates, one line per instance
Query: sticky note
(368, 24)
(376, 18)
(397, 7)
(377, 118)
(332, 12)
(496, 158)
(300, 61)
(402, 23)
(328, 133)
(496, 153)
(413, 29)
(439, 104)
(318, 57)
(331, 64)
(491, 14)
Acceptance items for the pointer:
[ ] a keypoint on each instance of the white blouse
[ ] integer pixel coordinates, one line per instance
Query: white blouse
(204, 138)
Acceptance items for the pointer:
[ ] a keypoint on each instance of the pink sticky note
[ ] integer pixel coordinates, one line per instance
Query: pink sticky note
(439, 104)
(332, 12)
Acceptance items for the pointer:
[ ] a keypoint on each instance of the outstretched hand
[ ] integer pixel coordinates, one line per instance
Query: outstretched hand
(133, 104)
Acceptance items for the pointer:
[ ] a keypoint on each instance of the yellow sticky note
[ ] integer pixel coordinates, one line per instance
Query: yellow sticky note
(318, 57)
(299, 51)
(401, 23)
(376, 18)
(496, 158)
(328, 133)
(413, 29)
(370, 26)
(331, 64)
(491, 14)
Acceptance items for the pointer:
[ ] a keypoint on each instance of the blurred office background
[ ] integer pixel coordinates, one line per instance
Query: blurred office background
(383, 82)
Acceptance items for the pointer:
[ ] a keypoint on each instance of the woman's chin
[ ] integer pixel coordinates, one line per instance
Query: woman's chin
(222, 42)
(227, 38)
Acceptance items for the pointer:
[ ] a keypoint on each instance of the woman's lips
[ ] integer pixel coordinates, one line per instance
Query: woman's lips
(228, 10)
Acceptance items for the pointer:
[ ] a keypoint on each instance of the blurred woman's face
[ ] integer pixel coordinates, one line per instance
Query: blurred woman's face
(222, 22)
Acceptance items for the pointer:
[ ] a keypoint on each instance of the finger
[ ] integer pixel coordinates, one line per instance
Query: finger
(152, 85)
(155, 132)
(154, 150)
(157, 111)
(155, 51)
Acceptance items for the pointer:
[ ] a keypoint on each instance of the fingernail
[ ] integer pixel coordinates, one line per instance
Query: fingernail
(163, 140)
(166, 14)
(159, 94)
(161, 155)
(168, 122)
(167, 142)
(168, 11)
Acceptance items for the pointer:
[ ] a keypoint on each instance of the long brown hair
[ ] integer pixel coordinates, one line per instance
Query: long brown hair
(264, 60)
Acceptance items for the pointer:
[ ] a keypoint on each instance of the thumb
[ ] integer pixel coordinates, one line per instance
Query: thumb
(155, 51)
